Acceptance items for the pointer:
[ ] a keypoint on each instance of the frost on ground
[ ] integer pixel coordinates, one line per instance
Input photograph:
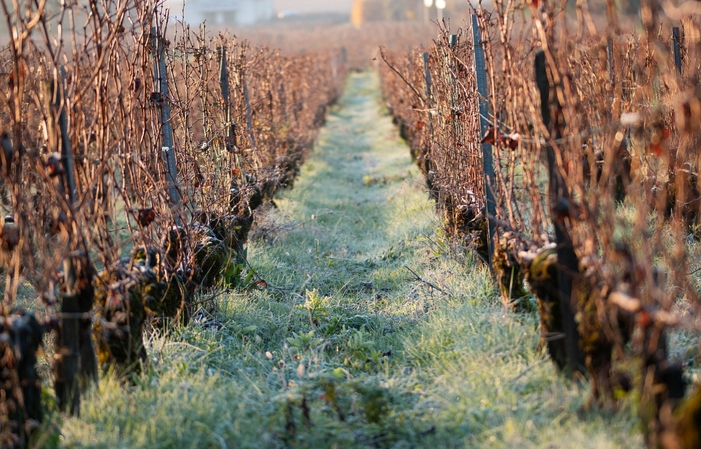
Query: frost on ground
(374, 331)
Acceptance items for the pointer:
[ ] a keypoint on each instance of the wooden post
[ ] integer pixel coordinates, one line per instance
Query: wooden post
(224, 80)
(67, 159)
(249, 115)
(334, 67)
(568, 266)
(283, 101)
(67, 390)
(609, 55)
(230, 143)
(427, 76)
(224, 86)
(452, 42)
(160, 77)
(427, 159)
(676, 43)
(76, 358)
(487, 159)
(202, 49)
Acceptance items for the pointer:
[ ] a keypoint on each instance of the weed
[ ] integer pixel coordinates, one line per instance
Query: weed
(316, 306)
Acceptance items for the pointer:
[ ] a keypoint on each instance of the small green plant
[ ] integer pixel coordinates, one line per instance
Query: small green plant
(393, 253)
(374, 402)
(304, 341)
(358, 346)
(316, 306)
(442, 243)
(332, 327)
(233, 274)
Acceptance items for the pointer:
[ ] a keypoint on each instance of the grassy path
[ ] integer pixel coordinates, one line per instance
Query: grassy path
(349, 348)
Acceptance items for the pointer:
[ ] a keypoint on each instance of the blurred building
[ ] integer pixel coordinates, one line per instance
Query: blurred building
(223, 12)
(377, 10)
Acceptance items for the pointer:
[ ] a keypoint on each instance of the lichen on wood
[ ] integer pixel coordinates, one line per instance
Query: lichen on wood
(509, 274)
(542, 277)
(20, 385)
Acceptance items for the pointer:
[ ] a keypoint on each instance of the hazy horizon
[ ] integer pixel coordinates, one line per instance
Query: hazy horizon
(314, 6)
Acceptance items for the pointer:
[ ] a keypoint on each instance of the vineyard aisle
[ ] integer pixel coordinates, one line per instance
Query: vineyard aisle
(373, 332)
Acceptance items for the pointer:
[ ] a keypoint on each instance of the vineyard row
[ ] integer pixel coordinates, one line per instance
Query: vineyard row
(568, 160)
(134, 157)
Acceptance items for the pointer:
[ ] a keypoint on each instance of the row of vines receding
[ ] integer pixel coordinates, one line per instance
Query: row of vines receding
(566, 154)
(134, 154)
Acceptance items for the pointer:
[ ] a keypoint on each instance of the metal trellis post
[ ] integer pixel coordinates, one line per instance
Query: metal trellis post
(160, 78)
(568, 266)
(676, 42)
(487, 159)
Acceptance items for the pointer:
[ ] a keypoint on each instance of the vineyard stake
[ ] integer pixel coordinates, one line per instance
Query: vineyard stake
(230, 142)
(676, 42)
(568, 266)
(487, 159)
(452, 43)
(334, 67)
(427, 76)
(224, 81)
(224, 86)
(429, 106)
(202, 49)
(70, 327)
(283, 102)
(249, 115)
(160, 78)
(609, 55)
(67, 159)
